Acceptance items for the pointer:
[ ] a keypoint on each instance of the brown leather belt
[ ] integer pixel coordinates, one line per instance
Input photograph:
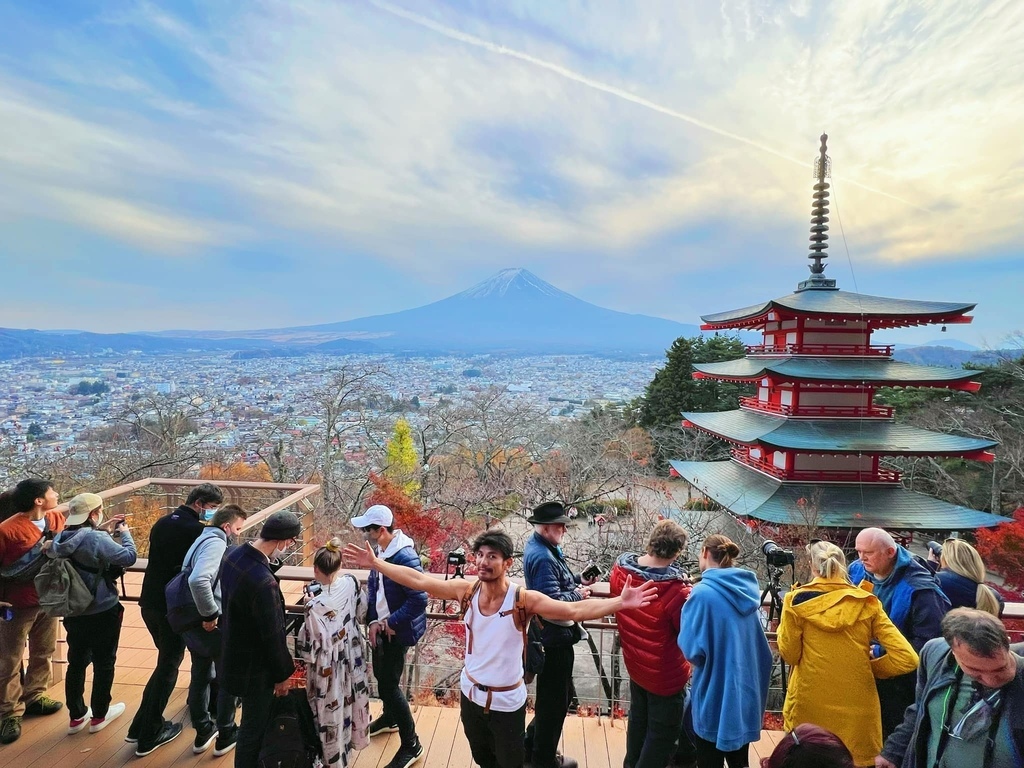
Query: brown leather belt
(490, 689)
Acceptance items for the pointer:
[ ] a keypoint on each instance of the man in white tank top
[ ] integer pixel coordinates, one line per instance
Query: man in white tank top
(493, 691)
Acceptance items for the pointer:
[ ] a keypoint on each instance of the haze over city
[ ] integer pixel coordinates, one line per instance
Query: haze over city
(252, 165)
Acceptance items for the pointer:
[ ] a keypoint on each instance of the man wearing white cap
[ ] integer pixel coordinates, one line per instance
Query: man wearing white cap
(397, 617)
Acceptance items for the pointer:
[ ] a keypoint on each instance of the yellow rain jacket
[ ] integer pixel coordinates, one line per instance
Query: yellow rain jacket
(825, 635)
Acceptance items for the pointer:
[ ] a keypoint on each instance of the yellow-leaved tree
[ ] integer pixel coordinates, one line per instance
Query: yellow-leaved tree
(402, 460)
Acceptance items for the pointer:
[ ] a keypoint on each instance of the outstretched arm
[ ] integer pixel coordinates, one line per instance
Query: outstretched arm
(631, 597)
(363, 557)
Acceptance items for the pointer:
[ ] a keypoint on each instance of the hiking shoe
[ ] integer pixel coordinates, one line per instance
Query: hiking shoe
(114, 711)
(225, 741)
(10, 729)
(380, 725)
(406, 756)
(44, 705)
(168, 733)
(204, 738)
(78, 723)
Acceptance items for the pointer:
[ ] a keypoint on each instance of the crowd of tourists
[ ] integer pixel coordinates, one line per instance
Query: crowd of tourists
(895, 661)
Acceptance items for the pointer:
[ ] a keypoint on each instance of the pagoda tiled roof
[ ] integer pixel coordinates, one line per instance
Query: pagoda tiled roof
(743, 491)
(841, 436)
(877, 371)
(843, 303)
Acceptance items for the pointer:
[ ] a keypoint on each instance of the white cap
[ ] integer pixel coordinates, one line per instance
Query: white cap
(378, 514)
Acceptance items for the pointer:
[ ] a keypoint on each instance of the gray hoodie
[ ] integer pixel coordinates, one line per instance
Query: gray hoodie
(204, 557)
(96, 550)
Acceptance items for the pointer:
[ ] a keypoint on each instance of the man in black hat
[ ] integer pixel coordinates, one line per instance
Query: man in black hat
(546, 571)
(255, 663)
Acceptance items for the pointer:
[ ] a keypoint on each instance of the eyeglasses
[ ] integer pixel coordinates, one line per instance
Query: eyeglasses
(977, 719)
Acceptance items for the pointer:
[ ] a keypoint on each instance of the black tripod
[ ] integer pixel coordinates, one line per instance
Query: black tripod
(774, 589)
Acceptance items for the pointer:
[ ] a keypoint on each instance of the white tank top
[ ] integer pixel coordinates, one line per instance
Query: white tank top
(497, 657)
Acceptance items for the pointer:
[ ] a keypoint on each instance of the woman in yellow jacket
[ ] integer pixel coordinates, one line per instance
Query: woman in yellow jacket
(826, 634)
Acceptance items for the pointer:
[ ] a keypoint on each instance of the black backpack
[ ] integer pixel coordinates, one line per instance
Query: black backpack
(291, 740)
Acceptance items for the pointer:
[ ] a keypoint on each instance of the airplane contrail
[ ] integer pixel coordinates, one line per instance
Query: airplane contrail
(569, 74)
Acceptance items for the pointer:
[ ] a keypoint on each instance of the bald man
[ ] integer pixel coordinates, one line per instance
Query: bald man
(913, 600)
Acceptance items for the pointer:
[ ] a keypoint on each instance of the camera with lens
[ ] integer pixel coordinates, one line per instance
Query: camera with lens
(776, 556)
(935, 548)
(312, 589)
(456, 563)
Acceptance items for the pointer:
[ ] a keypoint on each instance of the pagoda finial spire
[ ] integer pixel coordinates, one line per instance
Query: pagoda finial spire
(819, 227)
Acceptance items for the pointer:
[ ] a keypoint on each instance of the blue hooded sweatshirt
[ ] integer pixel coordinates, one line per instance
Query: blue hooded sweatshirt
(720, 634)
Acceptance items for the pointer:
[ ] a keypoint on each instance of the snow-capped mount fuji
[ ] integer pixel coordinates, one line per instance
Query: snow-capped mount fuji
(513, 311)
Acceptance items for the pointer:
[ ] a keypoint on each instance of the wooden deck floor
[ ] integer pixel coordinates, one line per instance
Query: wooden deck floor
(596, 742)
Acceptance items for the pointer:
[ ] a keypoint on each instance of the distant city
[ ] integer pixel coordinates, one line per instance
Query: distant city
(44, 410)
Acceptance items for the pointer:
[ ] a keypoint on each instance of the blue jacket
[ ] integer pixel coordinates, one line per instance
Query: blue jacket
(546, 571)
(910, 595)
(97, 551)
(962, 592)
(720, 634)
(408, 607)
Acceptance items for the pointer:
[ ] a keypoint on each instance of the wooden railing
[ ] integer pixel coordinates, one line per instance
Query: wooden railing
(839, 350)
(816, 475)
(823, 411)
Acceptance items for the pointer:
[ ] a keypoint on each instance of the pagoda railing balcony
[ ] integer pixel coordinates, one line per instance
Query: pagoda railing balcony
(819, 411)
(882, 476)
(843, 350)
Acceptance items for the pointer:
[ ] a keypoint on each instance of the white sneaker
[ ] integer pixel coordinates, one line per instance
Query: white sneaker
(113, 712)
(76, 724)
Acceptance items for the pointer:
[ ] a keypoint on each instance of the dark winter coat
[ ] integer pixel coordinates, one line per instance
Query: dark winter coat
(170, 539)
(649, 634)
(961, 591)
(407, 607)
(546, 571)
(255, 652)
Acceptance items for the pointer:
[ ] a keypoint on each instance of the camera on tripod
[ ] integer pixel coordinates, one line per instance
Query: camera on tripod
(776, 556)
(455, 565)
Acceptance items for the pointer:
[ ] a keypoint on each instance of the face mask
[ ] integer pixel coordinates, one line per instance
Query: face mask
(277, 554)
(209, 513)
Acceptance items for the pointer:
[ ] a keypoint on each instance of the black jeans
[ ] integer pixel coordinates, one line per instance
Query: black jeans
(388, 663)
(554, 692)
(709, 756)
(91, 640)
(255, 720)
(895, 694)
(170, 651)
(653, 730)
(199, 696)
(495, 738)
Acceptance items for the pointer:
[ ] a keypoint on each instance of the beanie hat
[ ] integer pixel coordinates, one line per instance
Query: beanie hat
(80, 507)
(280, 526)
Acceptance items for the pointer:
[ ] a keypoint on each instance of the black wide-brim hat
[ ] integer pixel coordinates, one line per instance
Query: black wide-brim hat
(549, 512)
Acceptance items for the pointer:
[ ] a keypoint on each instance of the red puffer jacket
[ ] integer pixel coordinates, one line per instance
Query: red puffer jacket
(649, 634)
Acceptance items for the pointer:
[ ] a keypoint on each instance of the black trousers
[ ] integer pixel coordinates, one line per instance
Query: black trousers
(653, 729)
(710, 756)
(495, 738)
(91, 640)
(388, 662)
(170, 651)
(256, 711)
(554, 692)
(895, 694)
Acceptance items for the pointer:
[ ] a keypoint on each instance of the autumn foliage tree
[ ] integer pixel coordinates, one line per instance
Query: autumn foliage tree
(1002, 549)
(402, 460)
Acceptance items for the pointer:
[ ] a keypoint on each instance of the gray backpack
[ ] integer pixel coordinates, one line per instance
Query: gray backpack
(62, 592)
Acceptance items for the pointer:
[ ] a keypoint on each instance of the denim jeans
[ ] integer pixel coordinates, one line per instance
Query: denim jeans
(170, 651)
(92, 640)
(653, 729)
(388, 662)
(495, 738)
(203, 672)
(255, 720)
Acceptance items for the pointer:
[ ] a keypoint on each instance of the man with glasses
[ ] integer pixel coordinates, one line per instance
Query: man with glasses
(255, 663)
(397, 618)
(546, 571)
(969, 707)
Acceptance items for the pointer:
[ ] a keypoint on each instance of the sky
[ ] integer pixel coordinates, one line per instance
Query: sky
(267, 163)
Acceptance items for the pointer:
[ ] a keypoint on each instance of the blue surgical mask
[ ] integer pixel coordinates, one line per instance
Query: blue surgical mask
(209, 513)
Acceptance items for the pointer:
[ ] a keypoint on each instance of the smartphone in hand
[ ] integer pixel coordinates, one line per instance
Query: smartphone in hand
(591, 572)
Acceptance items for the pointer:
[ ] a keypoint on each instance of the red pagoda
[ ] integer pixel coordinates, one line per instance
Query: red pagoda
(812, 441)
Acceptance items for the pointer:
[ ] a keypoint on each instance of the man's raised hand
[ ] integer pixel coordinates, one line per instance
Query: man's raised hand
(359, 556)
(638, 597)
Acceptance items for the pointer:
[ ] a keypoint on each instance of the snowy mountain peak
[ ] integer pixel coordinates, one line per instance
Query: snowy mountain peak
(512, 282)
